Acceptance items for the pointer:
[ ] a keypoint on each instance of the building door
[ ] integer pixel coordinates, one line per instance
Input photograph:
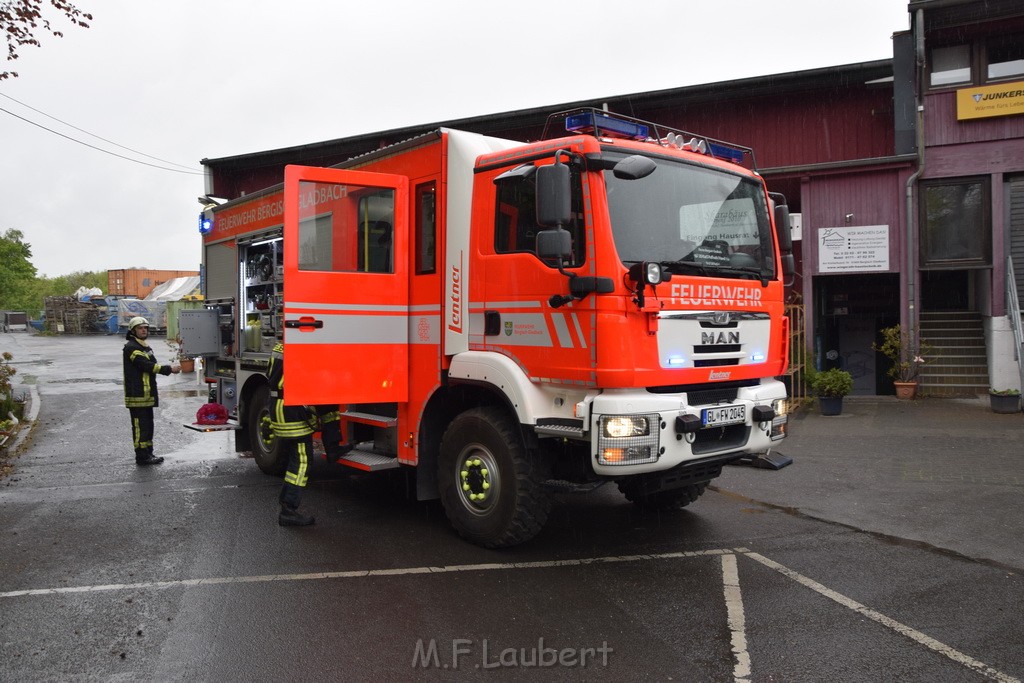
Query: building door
(850, 310)
(1015, 204)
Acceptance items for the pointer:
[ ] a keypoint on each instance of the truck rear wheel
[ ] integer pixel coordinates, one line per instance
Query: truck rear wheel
(673, 499)
(266, 450)
(490, 485)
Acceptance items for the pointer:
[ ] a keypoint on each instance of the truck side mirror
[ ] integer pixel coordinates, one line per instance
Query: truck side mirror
(554, 244)
(553, 196)
(785, 231)
(783, 226)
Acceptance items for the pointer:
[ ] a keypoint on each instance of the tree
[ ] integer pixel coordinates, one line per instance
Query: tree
(17, 274)
(20, 19)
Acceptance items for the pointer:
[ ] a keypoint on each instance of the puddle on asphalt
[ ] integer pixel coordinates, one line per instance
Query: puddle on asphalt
(181, 393)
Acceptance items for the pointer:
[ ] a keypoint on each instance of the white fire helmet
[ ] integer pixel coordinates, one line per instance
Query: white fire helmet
(136, 321)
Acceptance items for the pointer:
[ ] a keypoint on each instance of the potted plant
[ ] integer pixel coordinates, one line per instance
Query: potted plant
(187, 363)
(906, 365)
(830, 386)
(1004, 400)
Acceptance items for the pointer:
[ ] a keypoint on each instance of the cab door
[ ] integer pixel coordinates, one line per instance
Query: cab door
(346, 286)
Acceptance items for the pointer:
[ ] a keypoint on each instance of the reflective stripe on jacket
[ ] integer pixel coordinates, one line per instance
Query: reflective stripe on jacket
(140, 371)
(286, 422)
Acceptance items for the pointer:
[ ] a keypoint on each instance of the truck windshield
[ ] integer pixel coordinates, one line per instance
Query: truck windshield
(693, 220)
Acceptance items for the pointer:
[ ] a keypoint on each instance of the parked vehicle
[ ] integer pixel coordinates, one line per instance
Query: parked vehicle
(512, 318)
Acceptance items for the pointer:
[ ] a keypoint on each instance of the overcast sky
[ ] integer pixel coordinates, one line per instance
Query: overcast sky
(183, 80)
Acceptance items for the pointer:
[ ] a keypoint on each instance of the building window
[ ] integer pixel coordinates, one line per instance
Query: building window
(956, 227)
(950, 66)
(983, 61)
(1005, 58)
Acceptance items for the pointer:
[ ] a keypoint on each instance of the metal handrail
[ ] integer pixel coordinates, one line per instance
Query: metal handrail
(1013, 304)
(797, 371)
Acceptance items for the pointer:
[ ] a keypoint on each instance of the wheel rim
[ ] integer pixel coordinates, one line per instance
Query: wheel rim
(477, 479)
(264, 435)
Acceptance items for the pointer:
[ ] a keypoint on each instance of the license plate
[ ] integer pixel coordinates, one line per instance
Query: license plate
(723, 415)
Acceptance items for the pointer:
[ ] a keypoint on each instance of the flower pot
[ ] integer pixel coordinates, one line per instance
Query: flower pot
(1005, 403)
(905, 390)
(188, 364)
(830, 405)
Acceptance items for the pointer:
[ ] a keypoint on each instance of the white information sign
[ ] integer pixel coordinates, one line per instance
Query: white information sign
(863, 248)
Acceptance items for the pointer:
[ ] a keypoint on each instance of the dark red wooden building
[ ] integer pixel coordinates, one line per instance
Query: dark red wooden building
(905, 208)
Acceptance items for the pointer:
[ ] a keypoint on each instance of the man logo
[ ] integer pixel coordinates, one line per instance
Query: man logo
(977, 98)
(508, 328)
(720, 318)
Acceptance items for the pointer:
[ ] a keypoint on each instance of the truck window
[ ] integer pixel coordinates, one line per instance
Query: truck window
(515, 221)
(351, 231)
(426, 228)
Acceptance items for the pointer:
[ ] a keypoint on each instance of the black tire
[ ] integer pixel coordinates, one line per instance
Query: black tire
(266, 450)
(674, 499)
(490, 485)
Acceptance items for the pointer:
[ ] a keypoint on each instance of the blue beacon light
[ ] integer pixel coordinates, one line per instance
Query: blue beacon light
(599, 124)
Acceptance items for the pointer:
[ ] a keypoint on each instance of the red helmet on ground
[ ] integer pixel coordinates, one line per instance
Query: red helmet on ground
(212, 414)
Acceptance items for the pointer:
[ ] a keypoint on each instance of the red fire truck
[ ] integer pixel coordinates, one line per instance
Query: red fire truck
(513, 319)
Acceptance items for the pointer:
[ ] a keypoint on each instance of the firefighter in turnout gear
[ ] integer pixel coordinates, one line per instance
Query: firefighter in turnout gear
(140, 393)
(295, 426)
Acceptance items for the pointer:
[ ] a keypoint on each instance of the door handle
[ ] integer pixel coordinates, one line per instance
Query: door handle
(304, 321)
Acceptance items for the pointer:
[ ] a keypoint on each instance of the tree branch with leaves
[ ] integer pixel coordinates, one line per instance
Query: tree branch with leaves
(22, 20)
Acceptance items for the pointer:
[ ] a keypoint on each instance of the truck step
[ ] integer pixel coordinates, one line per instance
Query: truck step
(566, 431)
(369, 419)
(368, 461)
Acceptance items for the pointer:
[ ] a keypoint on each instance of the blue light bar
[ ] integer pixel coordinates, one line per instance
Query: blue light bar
(585, 123)
(722, 152)
(205, 224)
(676, 361)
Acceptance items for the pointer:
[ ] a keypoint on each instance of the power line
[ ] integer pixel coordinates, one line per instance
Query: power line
(190, 171)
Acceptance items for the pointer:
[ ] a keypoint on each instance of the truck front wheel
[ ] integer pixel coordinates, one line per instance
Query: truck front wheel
(490, 484)
(266, 450)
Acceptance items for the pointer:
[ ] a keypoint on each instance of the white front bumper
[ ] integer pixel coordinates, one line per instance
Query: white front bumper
(667, 446)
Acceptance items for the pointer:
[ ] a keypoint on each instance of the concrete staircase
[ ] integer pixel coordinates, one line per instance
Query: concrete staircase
(957, 364)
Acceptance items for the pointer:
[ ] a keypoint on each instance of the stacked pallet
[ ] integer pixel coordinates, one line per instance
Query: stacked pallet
(68, 315)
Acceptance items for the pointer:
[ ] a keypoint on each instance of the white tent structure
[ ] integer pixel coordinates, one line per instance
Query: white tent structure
(154, 308)
(176, 289)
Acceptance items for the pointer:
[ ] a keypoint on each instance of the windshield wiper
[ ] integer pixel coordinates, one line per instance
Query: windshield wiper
(757, 273)
(711, 271)
(685, 267)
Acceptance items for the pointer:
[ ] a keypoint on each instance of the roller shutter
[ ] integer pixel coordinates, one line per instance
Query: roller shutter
(221, 260)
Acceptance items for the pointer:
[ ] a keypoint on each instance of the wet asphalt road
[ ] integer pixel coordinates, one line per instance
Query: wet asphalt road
(112, 572)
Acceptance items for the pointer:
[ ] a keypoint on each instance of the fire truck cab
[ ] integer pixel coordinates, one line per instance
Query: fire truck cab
(511, 319)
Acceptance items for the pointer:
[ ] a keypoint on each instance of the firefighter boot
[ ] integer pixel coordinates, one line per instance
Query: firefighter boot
(292, 517)
(144, 456)
(336, 453)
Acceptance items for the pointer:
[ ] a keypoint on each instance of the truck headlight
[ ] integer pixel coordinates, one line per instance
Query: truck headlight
(629, 439)
(621, 426)
(781, 408)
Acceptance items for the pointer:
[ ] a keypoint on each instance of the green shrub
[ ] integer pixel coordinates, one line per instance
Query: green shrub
(6, 391)
(832, 383)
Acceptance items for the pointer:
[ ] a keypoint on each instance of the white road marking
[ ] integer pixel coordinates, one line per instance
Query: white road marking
(903, 629)
(217, 581)
(730, 580)
(737, 620)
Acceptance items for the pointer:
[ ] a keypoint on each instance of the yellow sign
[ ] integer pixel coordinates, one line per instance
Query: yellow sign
(1004, 99)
